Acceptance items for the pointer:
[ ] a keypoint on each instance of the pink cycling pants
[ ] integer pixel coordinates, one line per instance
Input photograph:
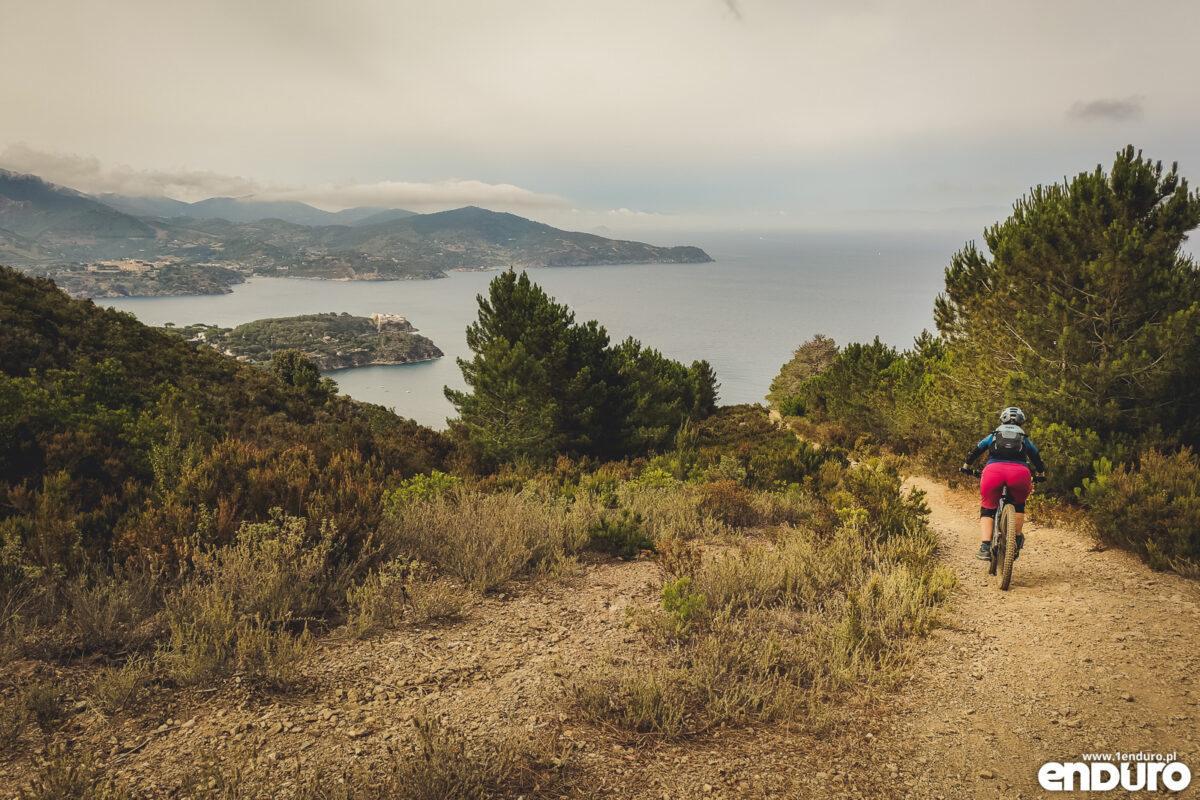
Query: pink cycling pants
(999, 473)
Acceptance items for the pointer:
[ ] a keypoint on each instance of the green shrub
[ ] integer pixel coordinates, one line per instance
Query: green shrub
(681, 604)
(1069, 455)
(1152, 508)
(420, 487)
(621, 536)
(655, 478)
(874, 488)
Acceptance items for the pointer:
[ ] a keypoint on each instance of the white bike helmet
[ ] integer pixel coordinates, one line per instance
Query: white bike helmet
(1012, 416)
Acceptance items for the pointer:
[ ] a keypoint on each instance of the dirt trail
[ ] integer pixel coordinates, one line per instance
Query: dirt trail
(1090, 652)
(1013, 680)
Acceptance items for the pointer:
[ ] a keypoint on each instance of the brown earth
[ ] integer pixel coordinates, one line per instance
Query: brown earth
(1090, 651)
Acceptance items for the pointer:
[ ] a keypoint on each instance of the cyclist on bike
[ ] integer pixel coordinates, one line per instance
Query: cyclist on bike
(1009, 454)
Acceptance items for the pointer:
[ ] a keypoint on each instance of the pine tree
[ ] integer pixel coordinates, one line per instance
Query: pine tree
(520, 341)
(1086, 305)
(705, 388)
(541, 385)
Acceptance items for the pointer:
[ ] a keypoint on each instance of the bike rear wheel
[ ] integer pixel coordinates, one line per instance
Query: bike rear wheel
(1008, 534)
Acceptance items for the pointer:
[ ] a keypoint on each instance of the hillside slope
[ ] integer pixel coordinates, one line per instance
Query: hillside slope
(55, 231)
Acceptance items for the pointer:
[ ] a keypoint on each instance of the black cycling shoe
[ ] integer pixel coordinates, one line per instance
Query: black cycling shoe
(1020, 544)
(985, 551)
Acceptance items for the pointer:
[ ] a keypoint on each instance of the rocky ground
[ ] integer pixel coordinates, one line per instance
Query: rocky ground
(1090, 651)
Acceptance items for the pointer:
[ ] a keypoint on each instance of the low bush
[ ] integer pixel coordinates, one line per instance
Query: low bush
(272, 658)
(109, 610)
(729, 503)
(39, 703)
(486, 540)
(401, 590)
(446, 764)
(66, 774)
(242, 604)
(1152, 507)
(116, 688)
(273, 571)
(619, 535)
(635, 698)
(420, 487)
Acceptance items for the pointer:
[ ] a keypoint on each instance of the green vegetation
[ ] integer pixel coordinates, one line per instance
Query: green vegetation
(1152, 507)
(159, 280)
(330, 341)
(1084, 312)
(770, 631)
(810, 359)
(620, 535)
(543, 385)
(116, 441)
(171, 518)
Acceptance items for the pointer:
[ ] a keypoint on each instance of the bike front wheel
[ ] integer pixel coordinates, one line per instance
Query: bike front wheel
(1008, 532)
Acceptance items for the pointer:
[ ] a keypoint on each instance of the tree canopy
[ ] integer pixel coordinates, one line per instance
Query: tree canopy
(542, 384)
(1087, 303)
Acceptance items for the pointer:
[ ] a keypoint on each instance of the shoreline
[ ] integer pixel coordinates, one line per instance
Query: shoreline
(442, 274)
(383, 364)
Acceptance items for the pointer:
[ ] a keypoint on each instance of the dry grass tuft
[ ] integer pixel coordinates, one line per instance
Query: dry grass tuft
(115, 689)
(486, 540)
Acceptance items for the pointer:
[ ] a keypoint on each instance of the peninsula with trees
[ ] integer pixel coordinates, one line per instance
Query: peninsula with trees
(331, 341)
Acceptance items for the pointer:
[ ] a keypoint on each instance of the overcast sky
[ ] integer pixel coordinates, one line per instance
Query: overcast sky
(631, 113)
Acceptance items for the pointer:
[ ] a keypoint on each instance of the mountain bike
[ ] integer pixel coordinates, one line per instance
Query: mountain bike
(1004, 532)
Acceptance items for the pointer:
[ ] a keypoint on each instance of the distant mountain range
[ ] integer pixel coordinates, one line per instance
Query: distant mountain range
(247, 209)
(115, 246)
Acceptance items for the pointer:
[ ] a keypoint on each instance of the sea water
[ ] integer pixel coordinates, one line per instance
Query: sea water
(745, 312)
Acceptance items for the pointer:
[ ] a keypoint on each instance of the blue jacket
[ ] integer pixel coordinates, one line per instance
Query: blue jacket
(1030, 454)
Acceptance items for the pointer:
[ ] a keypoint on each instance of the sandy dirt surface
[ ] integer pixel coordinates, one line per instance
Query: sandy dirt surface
(1088, 652)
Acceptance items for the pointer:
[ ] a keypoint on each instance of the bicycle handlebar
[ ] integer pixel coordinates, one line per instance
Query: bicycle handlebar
(979, 474)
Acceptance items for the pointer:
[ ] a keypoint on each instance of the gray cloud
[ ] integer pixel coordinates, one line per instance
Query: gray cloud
(421, 196)
(89, 174)
(716, 112)
(1106, 109)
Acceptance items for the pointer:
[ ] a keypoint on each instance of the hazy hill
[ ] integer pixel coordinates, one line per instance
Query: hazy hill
(476, 237)
(49, 214)
(65, 235)
(248, 209)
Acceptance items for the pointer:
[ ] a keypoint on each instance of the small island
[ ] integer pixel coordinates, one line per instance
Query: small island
(332, 341)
